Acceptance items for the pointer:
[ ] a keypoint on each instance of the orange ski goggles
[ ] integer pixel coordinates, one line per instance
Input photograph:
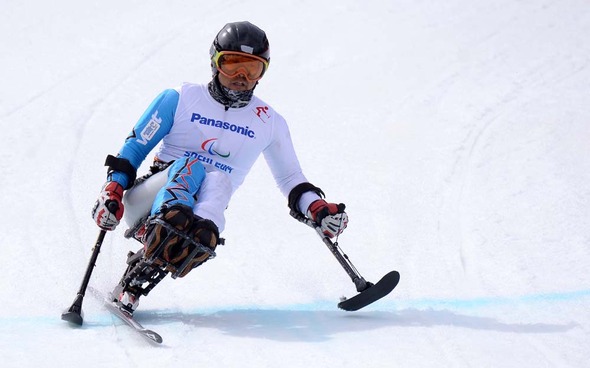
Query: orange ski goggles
(233, 63)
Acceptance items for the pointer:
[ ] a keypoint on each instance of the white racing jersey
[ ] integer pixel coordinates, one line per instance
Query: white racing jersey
(190, 123)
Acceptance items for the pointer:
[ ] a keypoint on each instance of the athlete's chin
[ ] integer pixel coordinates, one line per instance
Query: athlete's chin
(239, 86)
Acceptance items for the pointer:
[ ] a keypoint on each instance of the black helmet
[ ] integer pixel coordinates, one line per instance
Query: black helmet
(242, 37)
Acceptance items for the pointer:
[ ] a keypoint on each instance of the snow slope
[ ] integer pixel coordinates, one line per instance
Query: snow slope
(456, 132)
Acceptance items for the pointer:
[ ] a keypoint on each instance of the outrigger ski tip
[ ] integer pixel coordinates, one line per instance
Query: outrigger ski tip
(371, 293)
(74, 314)
(73, 317)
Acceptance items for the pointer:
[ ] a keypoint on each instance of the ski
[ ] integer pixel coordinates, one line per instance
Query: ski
(150, 335)
(371, 293)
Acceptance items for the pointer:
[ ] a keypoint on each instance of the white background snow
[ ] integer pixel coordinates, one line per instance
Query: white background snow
(457, 132)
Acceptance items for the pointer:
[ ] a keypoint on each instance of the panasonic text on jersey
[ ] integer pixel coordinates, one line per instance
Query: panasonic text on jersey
(223, 125)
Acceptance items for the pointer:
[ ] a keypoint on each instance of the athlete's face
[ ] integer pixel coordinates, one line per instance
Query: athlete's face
(236, 83)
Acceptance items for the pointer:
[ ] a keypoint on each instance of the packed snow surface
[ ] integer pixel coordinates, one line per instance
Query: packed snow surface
(456, 132)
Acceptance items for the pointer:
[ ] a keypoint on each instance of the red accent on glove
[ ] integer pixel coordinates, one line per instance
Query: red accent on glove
(320, 209)
(109, 208)
(114, 203)
(330, 217)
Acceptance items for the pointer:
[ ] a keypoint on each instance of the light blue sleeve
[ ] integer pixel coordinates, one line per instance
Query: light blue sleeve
(153, 125)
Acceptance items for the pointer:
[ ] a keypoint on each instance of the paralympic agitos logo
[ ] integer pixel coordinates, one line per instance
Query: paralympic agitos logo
(209, 146)
(245, 131)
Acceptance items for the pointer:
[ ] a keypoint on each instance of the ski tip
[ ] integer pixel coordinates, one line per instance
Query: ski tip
(153, 336)
(372, 293)
(391, 277)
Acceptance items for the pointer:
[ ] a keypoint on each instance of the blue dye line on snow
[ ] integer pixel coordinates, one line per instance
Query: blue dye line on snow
(392, 304)
(482, 302)
(388, 304)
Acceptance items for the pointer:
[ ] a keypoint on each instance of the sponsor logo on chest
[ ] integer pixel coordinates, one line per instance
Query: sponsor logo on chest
(223, 125)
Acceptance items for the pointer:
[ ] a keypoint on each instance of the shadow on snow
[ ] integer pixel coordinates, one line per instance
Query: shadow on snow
(297, 325)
